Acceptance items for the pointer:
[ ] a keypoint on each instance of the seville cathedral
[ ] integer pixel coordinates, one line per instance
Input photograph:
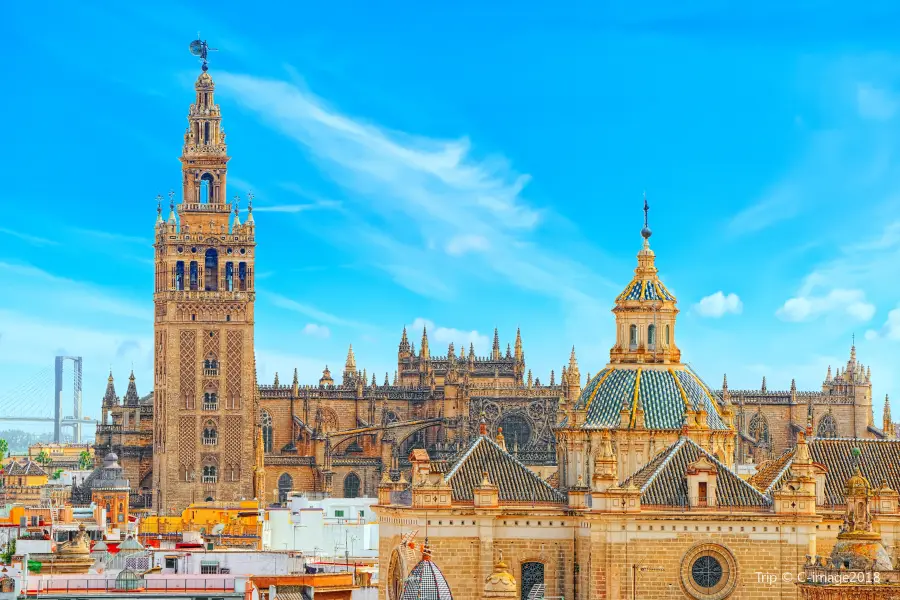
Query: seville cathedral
(644, 482)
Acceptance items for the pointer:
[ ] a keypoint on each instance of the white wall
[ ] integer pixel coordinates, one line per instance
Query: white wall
(325, 528)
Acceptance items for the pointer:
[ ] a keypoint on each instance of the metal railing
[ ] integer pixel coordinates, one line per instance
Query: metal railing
(60, 585)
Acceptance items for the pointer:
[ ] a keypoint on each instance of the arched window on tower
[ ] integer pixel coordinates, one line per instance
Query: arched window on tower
(179, 275)
(668, 339)
(210, 435)
(210, 474)
(206, 138)
(651, 336)
(242, 276)
(827, 427)
(210, 400)
(195, 276)
(211, 272)
(206, 188)
(229, 276)
(632, 336)
(267, 431)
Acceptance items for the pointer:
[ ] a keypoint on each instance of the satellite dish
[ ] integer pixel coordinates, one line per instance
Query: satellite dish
(218, 529)
(196, 48)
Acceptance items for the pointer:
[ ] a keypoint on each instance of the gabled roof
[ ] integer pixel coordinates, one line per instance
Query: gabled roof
(515, 481)
(663, 481)
(773, 473)
(29, 467)
(877, 462)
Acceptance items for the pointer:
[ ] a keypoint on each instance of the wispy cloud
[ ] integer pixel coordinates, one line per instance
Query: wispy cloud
(779, 204)
(25, 237)
(808, 306)
(890, 330)
(718, 305)
(311, 311)
(111, 236)
(875, 103)
(296, 208)
(438, 189)
(315, 330)
(35, 286)
(447, 335)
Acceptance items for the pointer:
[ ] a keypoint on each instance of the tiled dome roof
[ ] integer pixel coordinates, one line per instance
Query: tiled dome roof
(664, 394)
(426, 582)
(645, 289)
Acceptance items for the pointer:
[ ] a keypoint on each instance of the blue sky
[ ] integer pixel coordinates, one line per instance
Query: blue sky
(471, 168)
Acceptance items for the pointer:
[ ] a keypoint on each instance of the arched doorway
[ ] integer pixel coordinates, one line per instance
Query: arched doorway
(285, 485)
(532, 580)
(351, 486)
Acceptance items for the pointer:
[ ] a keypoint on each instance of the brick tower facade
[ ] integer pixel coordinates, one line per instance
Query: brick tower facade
(206, 398)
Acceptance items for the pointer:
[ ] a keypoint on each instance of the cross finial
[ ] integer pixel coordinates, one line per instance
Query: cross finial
(159, 204)
(172, 199)
(237, 203)
(250, 201)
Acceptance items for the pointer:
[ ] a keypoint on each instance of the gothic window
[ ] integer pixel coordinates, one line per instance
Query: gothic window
(351, 486)
(210, 474)
(651, 335)
(517, 431)
(242, 276)
(632, 337)
(285, 485)
(210, 435)
(206, 132)
(759, 430)
(532, 580)
(211, 366)
(179, 275)
(229, 276)
(206, 188)
(267, 431)
(211, 272)
(210, 401)
(827, 427)
(195, 275)
(233, 473)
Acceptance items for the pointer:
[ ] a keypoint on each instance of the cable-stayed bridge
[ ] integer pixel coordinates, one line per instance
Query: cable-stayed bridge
(39, 398)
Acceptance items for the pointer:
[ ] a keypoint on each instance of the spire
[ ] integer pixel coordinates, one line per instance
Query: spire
(471, 352)
(374, 383)
(159, 219)
(250, 208)
(462, 353)
(171, 220)
(828, 375)
(552, 377)
(237, 213)
(404, 341)
(853, 351)
(888, 425)
(423, 350)
(131, 395)
(518, 347)
(725, 382)
(350, 365)
(763, 388)
(793, 385)
(508, 350)
(396, 379)
(110, 398)
(495, 353)
(451, 352)
(387, 380)
(529, 381)
(276, 379)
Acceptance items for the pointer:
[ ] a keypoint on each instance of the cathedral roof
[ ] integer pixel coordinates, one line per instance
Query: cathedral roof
(515, 481)
(772, 473)
(663, 394)
(663, 480)
(645, 289)
(877, 462)
(426, 582)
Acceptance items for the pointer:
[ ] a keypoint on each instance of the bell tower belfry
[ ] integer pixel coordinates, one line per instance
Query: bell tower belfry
(206, 396)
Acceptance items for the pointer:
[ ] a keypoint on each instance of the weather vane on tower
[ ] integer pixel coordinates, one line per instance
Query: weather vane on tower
(200, 48)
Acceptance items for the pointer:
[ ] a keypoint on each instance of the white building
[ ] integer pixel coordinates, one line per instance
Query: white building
(334, 528)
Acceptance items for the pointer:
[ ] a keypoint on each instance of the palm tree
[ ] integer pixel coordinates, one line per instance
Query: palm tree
(44, 458)
(85, 460)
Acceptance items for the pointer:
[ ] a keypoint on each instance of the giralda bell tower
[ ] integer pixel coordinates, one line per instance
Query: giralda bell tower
(206, 397)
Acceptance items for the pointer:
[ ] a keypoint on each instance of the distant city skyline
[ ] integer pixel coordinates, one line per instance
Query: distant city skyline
(466, 169)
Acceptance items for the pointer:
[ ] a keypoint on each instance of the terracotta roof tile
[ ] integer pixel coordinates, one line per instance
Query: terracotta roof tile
(516, 482)
(663, 480)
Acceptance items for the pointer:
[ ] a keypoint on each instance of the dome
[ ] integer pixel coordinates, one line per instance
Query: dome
(426, 582)
(645, 289)
(204, 82)
(663, 394)
(110, 460)
(500, 580)
(860, 555)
